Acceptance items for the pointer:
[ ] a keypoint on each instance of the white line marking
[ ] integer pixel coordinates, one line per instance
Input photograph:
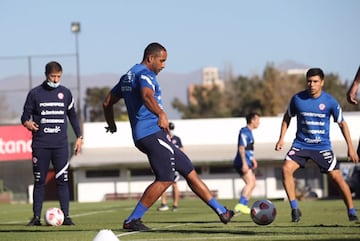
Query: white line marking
(77, 215)
(135, 232)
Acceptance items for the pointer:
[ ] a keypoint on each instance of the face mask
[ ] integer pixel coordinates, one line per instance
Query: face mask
(171, 132)
(52, 84)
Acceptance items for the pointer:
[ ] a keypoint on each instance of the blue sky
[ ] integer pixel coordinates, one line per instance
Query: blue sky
(245, 35)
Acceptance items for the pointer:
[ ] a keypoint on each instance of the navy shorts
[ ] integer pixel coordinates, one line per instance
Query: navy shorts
(164, 157)
(238, 169)
(325, 159)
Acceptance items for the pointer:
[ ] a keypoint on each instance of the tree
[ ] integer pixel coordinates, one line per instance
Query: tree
(334, 86)
(207, 102)
(277, 89)
(241, 97)
(6, 114)
(269, 95)
(94, 108)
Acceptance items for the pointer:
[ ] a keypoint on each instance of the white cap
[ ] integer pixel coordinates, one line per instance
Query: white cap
(105, 235)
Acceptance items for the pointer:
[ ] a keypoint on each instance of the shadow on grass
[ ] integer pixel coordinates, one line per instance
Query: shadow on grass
(270, 235)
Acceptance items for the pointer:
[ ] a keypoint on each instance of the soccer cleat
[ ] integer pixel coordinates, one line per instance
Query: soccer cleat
(226, 217)
(163, 207)
(241, 208)
(35, 221)
(135, 225)
(295, 215)
(353, 217)
(174, 208)
(68, 221)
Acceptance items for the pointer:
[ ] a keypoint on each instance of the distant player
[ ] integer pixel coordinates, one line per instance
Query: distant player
(313, 109)
(175, 189)
(245, 162)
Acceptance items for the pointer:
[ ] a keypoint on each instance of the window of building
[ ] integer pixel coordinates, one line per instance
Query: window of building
(305, 178)
(102, 173)
(136, 172)
(221, 170)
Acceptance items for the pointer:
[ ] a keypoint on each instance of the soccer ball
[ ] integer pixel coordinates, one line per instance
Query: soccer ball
(263, 212)
(54, 217)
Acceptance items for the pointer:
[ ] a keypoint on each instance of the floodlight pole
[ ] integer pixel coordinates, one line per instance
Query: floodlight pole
(75, 28)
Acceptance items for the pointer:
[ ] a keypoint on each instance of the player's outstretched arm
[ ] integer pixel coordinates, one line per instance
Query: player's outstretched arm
(352, 155)
(108, 107)
(352, 92)
(284, 126)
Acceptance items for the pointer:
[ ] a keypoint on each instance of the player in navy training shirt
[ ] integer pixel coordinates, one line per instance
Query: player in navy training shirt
(150, 130)
(45, 114)
(313, 109)
(245, 162)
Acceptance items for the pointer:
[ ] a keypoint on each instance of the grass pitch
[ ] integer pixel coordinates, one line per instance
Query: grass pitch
(321, 220)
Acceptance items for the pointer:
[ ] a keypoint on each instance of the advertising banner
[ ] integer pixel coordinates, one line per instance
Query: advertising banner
(15, 143)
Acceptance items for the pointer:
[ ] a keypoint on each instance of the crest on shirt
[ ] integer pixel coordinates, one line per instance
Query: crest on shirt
(322, 106)
(61, 95)
(34, 160)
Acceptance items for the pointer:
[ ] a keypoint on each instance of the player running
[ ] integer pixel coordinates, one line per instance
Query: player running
(245, 162)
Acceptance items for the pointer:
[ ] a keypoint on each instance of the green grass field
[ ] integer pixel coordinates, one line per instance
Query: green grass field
(321, 220)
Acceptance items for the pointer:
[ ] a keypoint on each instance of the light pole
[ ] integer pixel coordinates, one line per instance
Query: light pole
(75, 28)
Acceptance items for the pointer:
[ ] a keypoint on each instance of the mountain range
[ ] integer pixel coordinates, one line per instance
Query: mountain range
(14, 89)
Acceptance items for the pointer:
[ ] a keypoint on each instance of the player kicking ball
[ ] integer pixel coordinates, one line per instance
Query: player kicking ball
(150, 129)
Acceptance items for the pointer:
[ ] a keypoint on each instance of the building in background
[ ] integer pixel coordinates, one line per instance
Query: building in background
(210, 79)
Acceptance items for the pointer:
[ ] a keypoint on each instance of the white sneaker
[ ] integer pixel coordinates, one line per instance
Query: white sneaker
(163, 207)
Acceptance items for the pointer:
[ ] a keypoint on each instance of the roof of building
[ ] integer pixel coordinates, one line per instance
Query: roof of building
(205, 141)
(211, 154)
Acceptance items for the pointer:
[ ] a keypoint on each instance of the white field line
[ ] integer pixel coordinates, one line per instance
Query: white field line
(209, 238)
(170, 226)
(194, 238)
(135, 232)
(77, 215)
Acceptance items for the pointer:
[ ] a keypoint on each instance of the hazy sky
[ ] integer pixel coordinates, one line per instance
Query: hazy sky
(245, 35)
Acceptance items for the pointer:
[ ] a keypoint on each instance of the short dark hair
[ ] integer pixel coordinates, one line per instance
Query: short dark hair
(153, 49)
(314, 72)
(52, 66)
(250, 116)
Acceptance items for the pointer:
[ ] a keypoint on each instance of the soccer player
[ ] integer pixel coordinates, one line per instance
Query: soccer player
(175, 189)
(313, 108)
(150, 129)
(45, 114)
(245, 162)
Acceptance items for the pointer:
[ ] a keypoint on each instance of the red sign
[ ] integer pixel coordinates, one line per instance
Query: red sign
(15, 143)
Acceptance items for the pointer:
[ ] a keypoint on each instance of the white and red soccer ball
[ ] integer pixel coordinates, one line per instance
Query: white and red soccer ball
(263, 212)
(54, 217)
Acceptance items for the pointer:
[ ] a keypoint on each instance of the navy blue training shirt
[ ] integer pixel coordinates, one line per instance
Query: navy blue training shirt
(49, 108)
